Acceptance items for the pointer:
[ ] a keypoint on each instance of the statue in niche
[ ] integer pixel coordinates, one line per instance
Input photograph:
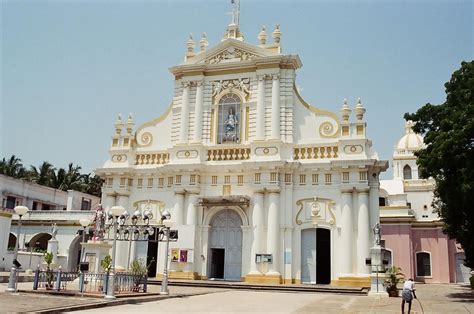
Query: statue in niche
(231, 126)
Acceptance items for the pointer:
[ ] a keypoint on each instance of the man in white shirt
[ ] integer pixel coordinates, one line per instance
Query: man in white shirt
(408, 293)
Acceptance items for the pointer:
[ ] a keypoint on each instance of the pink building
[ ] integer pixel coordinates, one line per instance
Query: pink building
(411, 229)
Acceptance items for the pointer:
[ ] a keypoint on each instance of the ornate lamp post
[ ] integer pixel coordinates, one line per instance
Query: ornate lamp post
(84, 223)
(114, 213)
(135, 231)
(20, 211)
(167, 223)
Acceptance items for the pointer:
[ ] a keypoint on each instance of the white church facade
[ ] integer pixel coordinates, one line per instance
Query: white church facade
(262, 187)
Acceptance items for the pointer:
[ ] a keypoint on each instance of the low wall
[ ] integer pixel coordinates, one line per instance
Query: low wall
(32, 260)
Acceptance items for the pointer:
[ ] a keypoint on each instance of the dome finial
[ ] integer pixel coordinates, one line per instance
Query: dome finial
(345, 111)
(276, 34)
(190, 47)
(203, 43)
(262, 36)
(359, 110)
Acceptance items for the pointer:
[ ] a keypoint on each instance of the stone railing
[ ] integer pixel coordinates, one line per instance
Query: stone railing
(152, 158)
(56, 215)
(219, 154)
(319, 152)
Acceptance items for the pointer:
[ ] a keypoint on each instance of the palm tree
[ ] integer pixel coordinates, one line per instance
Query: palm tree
(58, 178)
(74, 178)
(13, 167)
(42, 175)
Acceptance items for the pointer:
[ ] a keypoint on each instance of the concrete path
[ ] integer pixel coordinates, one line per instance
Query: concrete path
(434, 298)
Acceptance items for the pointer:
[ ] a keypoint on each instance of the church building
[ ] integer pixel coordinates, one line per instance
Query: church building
(262, 186)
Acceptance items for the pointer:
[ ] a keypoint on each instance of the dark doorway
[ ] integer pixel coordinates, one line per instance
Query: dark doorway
(323, 253)
(152, 257)
(217, 263)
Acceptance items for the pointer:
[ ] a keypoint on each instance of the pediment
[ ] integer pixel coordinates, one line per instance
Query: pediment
(230, 50)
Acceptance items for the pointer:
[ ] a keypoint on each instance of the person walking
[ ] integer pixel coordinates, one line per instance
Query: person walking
(408, 293)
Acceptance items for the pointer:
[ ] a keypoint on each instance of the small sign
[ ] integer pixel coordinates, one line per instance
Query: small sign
(174, 255)
(264, 258)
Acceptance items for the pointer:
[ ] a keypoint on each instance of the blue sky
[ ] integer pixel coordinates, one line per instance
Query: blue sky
(69, 67)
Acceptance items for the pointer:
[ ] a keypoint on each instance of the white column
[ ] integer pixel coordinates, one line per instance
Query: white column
(257, 225)
(109, 202)
(198, 113)
(346, 234)
(260, 123)
(178, 215)
(184, 113)
(273, 233)
(191, 214)
(121, 253)
(275, 133)
(373, 206)
(363, 233)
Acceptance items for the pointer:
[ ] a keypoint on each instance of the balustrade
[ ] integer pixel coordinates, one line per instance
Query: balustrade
(219, 154)
(319, 152)
(152, 159)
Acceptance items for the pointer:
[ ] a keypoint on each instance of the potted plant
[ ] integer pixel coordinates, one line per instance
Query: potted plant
(394, 276)
(139, 270)
(48, 259)
(106, 264)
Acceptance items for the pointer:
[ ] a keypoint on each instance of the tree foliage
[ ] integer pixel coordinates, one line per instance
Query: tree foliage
(59, 178)
(449, 156)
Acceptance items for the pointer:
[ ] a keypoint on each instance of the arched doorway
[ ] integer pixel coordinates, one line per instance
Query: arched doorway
(40, 241)
(11, 241)
(225, 246)
(316, 256)
(74, 257)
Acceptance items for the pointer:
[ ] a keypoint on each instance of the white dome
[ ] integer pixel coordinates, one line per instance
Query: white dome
(411, 140)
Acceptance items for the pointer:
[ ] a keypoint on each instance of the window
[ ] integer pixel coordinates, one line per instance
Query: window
(315, 178)
(273, 177)
(345, 177)
(407, 172)
(288, 178)
(123, 182)
(86, 204)
(423, 264)
(10, 202)
(170, 181)
(192, 179)
(214, 180)
(362, 176)
(240, 179)
(302, 179)
(178, 179)
(257, 177)
(46, 207)
(328, 178)
(382, 201)
(161, 182)
(139, 183)
(35, 206)
(226, 179)
(150, 183)
(110, 182)
(229, 119)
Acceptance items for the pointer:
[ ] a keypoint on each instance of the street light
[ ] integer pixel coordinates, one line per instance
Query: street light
(84, 223)
(167, 223)
(20, 211)
(114, 213)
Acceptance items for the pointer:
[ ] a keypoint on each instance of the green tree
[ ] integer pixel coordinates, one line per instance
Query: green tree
(13, 167)
(41, 175)
(449, 156)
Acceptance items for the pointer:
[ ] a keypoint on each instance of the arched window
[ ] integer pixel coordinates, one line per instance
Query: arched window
(423, 264)
(387, 257)
(407, 172)
(229, 119)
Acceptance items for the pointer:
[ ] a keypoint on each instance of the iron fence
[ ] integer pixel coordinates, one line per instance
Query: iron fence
(87, 282)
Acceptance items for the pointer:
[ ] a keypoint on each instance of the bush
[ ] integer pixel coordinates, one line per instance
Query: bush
(394, 277)
(106, 263)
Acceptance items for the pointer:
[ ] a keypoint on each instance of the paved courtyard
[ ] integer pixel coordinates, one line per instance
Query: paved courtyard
(435, 298)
